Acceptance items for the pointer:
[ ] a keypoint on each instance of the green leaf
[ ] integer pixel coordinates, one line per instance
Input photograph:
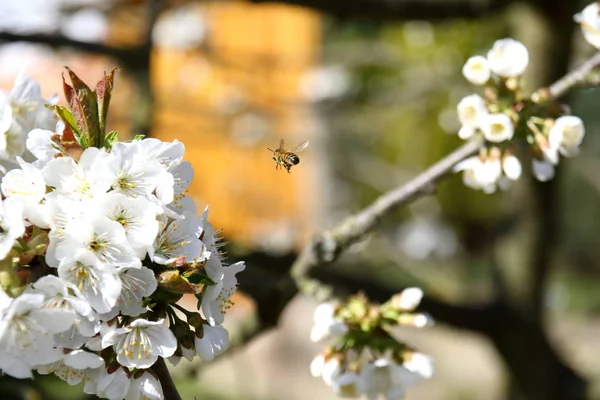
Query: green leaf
(67, 117)
(110, 139)
(139, 137)
(200, 279)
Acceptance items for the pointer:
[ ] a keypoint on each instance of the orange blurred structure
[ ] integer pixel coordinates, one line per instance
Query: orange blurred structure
(227, 99)
(230, 100)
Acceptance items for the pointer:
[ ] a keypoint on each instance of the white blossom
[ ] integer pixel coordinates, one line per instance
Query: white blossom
(214, 265)
(136, 215)
(40, 143)
(589, 20)
(60, 294)
(331, 370)
(542, 170)
(100, 237)
(72, 367)
(113, 386)
(12, 226)
(133, 174)
(179, 238)
(214, 342)
(347, 385)
(182, 173)
(5, 118)
(144, 387)
(136, 283)
(186, 353)
(61, 210)
(326, 325)
(497, 128)
(566, 134)
(27, 112)
(316, 365)
(384, 377)
(419, 364)
(217, 298)
(27, 183)
(26, 334)
(508, 58)
(141, 343)
(151, 149)
(482, 174)
(98, 283)
(476, 70)
(471, 112)
(85, 179)
(408, 299)
(512, 167)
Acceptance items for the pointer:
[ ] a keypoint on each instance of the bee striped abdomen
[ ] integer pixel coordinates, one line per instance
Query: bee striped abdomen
(292, 158)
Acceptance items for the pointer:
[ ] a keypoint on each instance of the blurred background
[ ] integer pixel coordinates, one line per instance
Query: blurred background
(512, 278)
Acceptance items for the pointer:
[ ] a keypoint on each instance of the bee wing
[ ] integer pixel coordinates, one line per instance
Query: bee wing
(300, 147)
(280, 144)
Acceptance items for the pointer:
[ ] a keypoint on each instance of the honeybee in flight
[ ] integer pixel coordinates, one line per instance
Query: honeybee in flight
(287, 159)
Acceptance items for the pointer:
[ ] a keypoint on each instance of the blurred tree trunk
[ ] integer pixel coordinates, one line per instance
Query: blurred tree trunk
(537, 371)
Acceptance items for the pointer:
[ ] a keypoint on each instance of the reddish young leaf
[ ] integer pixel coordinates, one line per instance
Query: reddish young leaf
(85, 110)
(103, 93)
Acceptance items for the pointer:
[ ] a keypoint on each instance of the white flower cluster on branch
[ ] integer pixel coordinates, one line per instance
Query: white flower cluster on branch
(99, 241)
(506, 117)
(362, 357)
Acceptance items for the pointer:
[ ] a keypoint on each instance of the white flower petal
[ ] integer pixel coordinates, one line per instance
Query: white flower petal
(508, 58)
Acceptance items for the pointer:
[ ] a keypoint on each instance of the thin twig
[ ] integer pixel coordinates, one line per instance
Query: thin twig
(578, 76)
(327, 246)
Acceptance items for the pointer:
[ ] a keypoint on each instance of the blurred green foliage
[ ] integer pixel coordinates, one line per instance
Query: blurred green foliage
(399, 117)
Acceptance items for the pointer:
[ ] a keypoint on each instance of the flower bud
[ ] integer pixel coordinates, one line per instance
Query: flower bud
(408, 299)
(542, 170)
(195, 320)
(512, 167)
(567, 134)
(347, 385)
(418, 320)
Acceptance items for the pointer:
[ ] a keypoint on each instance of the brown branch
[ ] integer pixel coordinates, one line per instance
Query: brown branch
(166, 382)
(574, 78)
(129, 56)
(327, 246)
(520, 341)
(399, 10)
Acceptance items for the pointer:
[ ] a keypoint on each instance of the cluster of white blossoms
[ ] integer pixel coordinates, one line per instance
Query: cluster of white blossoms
(495, 166)
(502, 116)
(362, 358)
(97, 245)
(22, 110)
